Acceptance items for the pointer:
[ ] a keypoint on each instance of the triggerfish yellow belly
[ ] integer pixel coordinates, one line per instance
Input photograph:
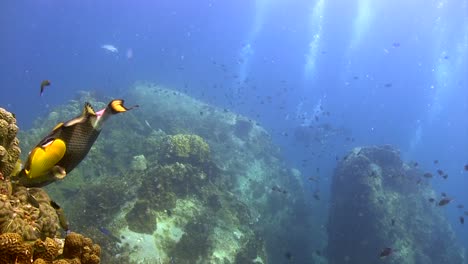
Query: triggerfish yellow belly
(66, 146)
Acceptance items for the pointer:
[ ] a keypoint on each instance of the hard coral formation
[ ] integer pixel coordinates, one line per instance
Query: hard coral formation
(81, 249)
(77, 249)
(385, 207)
(19, 214)
(186, 148)
(9, 144)
(13, 249)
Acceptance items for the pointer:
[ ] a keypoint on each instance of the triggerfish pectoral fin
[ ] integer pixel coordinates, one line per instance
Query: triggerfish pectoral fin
(44, 157)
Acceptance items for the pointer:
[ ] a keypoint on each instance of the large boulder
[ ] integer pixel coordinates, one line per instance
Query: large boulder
(379, 202)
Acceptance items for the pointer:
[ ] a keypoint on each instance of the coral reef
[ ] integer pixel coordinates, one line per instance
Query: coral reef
(201, 194)
(9, 144)
(377, 203)
(29, 224)
(75, 249)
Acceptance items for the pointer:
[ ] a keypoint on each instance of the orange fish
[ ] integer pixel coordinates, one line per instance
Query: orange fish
(43, 85)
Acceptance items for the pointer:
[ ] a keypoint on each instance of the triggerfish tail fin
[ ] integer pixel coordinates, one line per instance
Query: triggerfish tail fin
(117, 106)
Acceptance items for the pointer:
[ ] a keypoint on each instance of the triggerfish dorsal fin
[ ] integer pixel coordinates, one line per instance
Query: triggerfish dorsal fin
(88, 111)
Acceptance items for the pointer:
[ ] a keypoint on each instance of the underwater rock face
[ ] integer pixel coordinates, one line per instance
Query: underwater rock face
(376, 204)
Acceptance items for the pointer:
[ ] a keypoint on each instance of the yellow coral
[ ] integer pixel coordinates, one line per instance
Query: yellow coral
(191, 147)
(47, 250)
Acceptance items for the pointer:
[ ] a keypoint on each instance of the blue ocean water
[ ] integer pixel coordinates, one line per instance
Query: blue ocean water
(369, 72)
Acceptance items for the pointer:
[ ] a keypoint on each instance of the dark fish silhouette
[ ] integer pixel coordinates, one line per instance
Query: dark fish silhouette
(427, 175)
(444, 201)
(109, 234)
(386, 252)
(462, 220)
(43, 86)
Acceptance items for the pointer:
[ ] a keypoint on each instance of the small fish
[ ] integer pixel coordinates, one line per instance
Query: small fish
(386, 252)
(460, 206)
(110, 48)
(393, 222)
(61, 216)
(44, 83)
(436, 161)
(427, 175)
(462, 220)
(465, 167)
(388, 85)
(288, 255)
(311, 178)
(316, 196)
(440, 172)
(31, 199)
(444, 201)
(443, 194)
(431, 200)
(109, 234)
(445, 176)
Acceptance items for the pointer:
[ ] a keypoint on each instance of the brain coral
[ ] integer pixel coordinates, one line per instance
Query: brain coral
(76, 249)
(9, 144)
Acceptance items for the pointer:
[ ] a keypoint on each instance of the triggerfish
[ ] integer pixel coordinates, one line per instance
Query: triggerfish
(66, 146)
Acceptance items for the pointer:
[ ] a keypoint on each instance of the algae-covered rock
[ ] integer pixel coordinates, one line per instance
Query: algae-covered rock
(139, 163)
(377, 203)
(141, 218)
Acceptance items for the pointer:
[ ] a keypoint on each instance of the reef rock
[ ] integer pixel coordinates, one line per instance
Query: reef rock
(377, 202)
